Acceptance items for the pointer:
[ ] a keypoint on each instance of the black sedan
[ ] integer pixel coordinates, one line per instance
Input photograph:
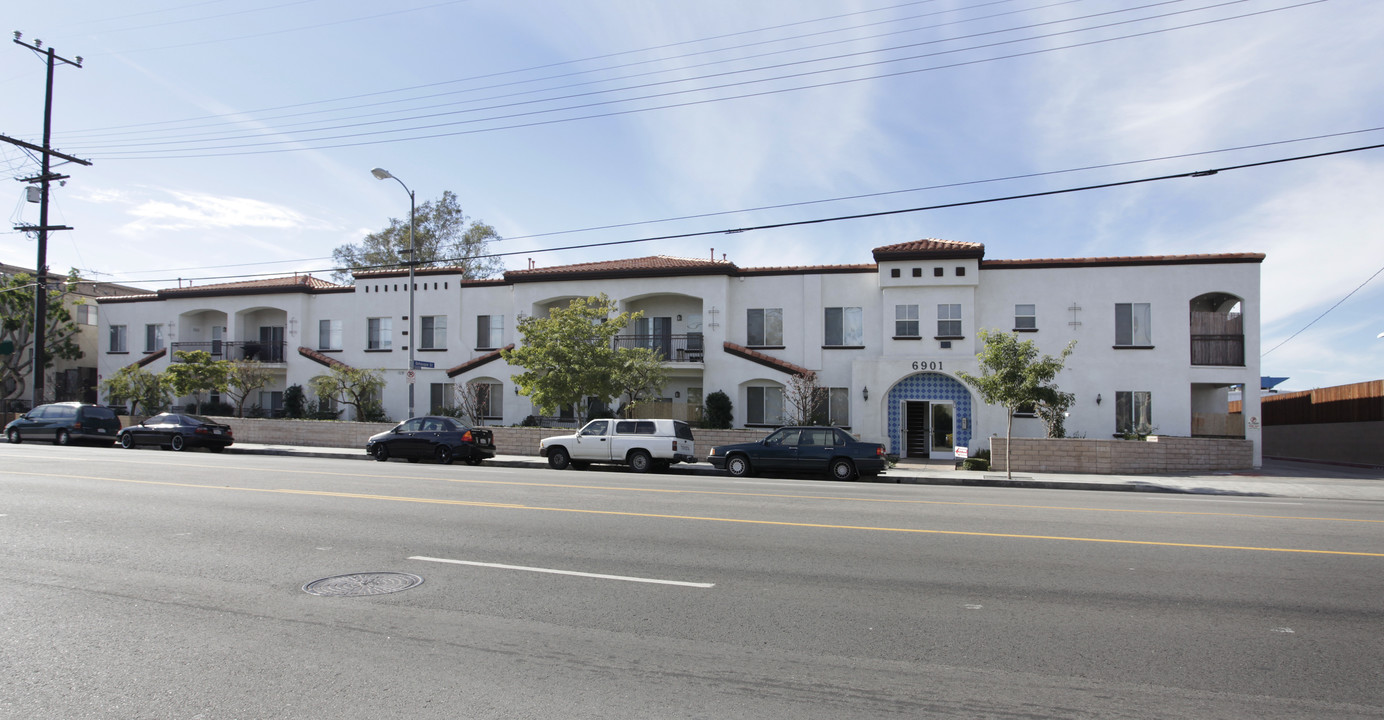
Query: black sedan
(803, 450)
(176, 431)
(438, 438)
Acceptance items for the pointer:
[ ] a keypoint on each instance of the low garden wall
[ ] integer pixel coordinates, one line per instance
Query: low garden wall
(508, 440)
(1157, 455)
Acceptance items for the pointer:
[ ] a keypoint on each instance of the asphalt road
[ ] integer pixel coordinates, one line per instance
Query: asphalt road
(152, 584)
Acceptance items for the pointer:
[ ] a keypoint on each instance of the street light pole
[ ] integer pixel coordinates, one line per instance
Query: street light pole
(382, 174)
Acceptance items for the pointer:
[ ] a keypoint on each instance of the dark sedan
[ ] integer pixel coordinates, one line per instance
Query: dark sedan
(803, 450)
(176, 431)
(437, 438)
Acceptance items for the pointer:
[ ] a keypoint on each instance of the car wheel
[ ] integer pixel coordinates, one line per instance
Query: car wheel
(558, 459)
(177, 443)
(127, 441)
(738, 465)
(443, 455)
(13, 437)
(62, 437)
(843, 469)
(381, 452)
(473, 461)
(640, 461)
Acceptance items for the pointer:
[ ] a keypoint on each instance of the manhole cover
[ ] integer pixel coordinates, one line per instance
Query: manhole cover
(357, 584)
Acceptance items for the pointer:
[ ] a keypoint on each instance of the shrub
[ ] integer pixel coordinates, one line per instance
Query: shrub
(718, 411)
(975, 463)
(294, 402)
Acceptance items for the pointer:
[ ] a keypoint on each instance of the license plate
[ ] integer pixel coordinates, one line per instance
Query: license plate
(485, 441)
(100, 430)
(215, 432)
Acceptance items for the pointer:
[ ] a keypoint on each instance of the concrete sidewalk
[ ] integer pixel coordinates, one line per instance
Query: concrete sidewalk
(1278, 478)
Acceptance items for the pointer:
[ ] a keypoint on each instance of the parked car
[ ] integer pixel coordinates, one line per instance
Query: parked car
(439, 438)
(64, 423)
(803, 450)
(644, 445)
(178, 431)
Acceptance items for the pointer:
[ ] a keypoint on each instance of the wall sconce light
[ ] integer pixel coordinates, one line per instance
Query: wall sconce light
(516, 389)
(679, 318)
(1097, 398)
(677, 393)
(865, 393)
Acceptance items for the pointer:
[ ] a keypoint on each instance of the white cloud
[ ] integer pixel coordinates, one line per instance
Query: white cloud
(199, 211)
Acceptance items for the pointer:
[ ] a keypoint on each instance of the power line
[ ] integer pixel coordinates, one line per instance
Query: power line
(1324, 314)
(837, 218)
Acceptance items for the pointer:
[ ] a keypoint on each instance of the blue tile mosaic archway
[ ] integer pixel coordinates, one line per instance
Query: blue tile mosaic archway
(929, 386)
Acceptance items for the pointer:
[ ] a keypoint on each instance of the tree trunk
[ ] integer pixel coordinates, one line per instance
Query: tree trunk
(1008, 440)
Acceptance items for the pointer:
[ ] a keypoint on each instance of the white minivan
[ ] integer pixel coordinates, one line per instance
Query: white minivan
(644, 445)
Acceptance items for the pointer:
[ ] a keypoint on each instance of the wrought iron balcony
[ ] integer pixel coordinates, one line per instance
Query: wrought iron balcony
(672, 348)
(265, 352)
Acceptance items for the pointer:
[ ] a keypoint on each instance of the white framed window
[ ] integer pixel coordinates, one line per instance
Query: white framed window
(86, 314)
(441, 396)
(434, 333)
(328, 334)
(153, 338)
(844, 327)
(490, 396)
(490, 332)
(379, 333)
(117, 340)
(1134, 412)
(1133, 325)
(949, 320)
(1025, 317)
(764, 327)
(905, 321)
(763, 405)
(838, 406)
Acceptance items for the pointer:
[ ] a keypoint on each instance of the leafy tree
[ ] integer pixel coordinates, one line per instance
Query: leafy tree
(138, 387)
(1052, 409)
(804, 399)
(193, 372)
(17, 329)
(1012, 375)
(639, 374)
(718, 412)
(295, 402)
(569, 355)
(245, 377)
(356, 387)
(443, 235)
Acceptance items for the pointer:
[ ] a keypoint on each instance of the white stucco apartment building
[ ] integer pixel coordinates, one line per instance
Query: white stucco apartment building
(1160, 339)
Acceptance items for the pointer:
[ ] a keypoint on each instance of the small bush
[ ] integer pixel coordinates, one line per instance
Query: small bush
(975, 463)
(718, 411)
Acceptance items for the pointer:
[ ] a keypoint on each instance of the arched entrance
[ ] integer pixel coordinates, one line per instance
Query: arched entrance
(929, 415)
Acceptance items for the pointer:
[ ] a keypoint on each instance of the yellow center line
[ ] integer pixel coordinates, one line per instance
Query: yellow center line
(792, 496)
(778, 523)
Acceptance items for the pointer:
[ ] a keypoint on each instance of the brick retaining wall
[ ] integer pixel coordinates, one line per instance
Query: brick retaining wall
(1125, 457)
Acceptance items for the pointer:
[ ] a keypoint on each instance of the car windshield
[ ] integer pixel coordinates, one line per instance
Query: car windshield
(197, 420)
(100, 413)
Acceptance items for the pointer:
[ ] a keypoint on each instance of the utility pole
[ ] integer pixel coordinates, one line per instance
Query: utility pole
(46, 177)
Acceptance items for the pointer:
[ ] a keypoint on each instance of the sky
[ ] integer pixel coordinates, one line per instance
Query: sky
(234, 138)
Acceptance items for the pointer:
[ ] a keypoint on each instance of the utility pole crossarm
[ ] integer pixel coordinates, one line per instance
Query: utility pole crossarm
(37, 148)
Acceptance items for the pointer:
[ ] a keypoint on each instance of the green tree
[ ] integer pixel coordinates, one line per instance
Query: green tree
(193, 372)
(356, 387)
(17, 330)
(443, 236)
(1012, 375)
(719, 411)
(140, 388)
(570, 355)
(244, 377)
(639, 374)
(295, 402)
(1052, 409)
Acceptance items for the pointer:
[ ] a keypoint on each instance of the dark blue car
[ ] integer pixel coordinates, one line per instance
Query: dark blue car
(803, 450)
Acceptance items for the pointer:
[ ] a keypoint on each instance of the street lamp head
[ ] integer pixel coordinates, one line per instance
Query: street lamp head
(381, 174)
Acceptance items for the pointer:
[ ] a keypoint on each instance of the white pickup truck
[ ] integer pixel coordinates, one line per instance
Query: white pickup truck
(644, 445)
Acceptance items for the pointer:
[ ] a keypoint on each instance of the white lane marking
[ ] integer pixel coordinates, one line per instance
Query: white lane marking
(1286, 630)
(1242, 501)
(598, 576)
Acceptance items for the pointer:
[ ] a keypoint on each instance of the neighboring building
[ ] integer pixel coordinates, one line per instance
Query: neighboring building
(1160, 339)
(1339, 424)
(71, 379)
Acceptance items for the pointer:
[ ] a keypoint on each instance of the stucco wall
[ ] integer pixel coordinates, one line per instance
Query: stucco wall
(1125, 457)
(1359, 443)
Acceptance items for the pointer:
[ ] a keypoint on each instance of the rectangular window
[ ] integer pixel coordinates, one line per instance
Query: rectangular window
(839, 407)
(1025, 317)
(1132, 327)
(328, 334)
(905, 321)
(117, 343)
(153, 338)
(434, 333)
(763, 406)
(490, 331)
(949, 320)
(765, 327)
(845, 327)
(86, 314)
(490, 399)
(1134, 412)
(379, 334)
(441, 397)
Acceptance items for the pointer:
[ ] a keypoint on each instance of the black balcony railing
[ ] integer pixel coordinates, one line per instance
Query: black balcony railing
(265, 352)
(673, 348)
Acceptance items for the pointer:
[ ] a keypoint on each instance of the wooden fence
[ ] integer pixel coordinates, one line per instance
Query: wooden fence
(1358, 402)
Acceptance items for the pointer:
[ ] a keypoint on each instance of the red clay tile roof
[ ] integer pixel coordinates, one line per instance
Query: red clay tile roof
(652, 266)
(930, 249)
(1125, 260)
(476, 362)
(265, 286)
(320, 358)
(805, 269)
(766, 360)
(421, 271)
